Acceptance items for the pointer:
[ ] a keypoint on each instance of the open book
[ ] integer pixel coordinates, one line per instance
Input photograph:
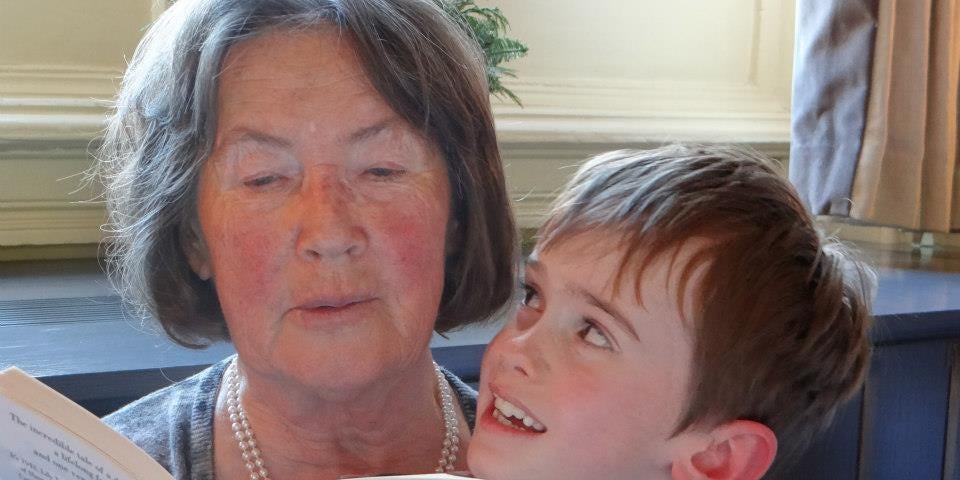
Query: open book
(45, 436)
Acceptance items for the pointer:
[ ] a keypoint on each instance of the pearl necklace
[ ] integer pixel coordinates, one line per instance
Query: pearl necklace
(250, 452)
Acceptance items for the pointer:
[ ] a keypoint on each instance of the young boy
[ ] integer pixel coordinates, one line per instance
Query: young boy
(682, 318)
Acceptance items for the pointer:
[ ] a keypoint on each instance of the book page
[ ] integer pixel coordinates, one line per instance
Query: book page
(33, 448)
(45, 436)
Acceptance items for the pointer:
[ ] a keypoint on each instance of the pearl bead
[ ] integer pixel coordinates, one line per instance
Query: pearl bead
(255, 465)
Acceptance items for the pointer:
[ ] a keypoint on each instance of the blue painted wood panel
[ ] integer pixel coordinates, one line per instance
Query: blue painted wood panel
(834, 454)
(905, 412)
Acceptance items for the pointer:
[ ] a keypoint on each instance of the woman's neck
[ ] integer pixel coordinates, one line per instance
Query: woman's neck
(394, 425)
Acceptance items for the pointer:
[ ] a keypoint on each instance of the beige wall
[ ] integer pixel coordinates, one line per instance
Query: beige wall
(600, 75)
(59, 61)
(70, 33)
(607, 74)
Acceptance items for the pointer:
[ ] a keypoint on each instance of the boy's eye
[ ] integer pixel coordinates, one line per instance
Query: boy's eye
(531, 298)
(594, 336)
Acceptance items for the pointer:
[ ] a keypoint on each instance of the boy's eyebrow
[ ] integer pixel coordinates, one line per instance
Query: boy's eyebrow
(606, 307)
(580, 292)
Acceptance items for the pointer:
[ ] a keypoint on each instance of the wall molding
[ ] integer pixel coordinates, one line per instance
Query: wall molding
(64, 80)
(564, 121)
(601, 110)
(50, 115)
(536, 171)
(50, 223)
(46, 103)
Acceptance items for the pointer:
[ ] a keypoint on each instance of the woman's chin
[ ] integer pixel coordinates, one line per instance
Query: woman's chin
(334, 366)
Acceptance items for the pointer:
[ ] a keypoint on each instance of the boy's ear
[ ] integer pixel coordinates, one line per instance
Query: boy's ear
(195, 249)
(738, 450)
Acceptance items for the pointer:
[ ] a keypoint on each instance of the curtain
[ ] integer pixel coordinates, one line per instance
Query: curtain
(875, 111)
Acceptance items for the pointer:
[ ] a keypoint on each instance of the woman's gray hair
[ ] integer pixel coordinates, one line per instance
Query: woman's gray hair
(423, 63)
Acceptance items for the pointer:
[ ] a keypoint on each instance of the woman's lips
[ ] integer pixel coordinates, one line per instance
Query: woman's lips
(333, 301)
(332, 311)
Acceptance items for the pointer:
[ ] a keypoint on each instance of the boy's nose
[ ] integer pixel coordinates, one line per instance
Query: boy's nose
(524, 353)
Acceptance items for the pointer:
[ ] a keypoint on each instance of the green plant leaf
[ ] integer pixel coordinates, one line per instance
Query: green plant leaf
(488, 26)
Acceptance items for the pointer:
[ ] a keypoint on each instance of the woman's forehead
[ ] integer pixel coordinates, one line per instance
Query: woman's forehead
(282, 59)
(293, 83)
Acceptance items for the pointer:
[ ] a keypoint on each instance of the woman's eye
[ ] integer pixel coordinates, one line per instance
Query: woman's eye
(531, 299)
(384, 173)
(594, 336)
(262, 181)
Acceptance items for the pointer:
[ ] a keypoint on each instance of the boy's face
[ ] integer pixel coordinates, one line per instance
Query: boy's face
(601, 378)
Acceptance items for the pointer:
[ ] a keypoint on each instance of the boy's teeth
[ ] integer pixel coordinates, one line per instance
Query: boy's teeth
(507, 410)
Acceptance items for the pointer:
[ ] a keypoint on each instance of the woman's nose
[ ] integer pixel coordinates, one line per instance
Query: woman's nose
(329, 221)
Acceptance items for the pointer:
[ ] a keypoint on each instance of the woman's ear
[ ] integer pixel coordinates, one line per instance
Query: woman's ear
(738, 450)
(195, 249)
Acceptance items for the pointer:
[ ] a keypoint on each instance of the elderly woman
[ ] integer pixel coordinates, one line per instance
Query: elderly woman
(317, 181)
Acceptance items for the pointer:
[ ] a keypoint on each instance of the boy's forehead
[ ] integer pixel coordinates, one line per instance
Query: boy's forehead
(591, 249)
(674, 273)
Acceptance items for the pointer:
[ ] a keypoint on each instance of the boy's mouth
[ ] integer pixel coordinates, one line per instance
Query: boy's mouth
(513, 416)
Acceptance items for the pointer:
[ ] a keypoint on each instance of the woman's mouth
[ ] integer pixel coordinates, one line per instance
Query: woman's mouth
(331, 303)
(323, 308)
(331, 311)
(515, 417)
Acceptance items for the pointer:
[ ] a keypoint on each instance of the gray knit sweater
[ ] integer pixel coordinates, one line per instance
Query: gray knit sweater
(175, 424)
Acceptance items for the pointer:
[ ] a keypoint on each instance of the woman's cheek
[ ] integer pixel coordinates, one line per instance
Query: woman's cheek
(418, 246)
(246, 259)
(412, 248)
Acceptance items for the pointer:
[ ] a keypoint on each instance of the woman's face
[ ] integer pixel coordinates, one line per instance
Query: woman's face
(322, 214)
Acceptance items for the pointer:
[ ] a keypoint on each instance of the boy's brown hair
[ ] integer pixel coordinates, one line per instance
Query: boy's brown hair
(781, 318)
